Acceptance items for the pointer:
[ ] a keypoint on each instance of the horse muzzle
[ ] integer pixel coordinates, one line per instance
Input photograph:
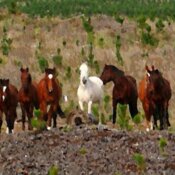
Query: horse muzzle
(84, 80)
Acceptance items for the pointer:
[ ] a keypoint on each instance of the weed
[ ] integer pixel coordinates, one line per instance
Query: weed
(57, 59)
(162, 144)
(101, 42)
(67, 128)
(137, 119)
(6, 43)
(53, 170)
(159, 25)
(43, 63)
(140, 161)
(83, 150)
(68, 72)
(37, 122)
(118, 46)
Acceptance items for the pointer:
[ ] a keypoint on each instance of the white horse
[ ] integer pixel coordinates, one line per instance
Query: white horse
(90, 90)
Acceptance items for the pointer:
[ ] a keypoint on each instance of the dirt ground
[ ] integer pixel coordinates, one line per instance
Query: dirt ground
(85, 150)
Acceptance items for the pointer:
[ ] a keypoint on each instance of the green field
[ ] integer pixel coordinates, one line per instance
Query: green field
(65, 8)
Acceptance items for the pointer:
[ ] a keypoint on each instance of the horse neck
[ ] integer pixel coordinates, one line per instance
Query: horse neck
(116, 75)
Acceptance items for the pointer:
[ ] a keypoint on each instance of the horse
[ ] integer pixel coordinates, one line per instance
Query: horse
(90, 91)
(124, 90)
(28, 97)
(155, 93)
(49, 94)
(8, 104)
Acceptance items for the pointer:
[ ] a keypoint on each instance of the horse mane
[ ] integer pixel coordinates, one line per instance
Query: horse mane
(116, 70)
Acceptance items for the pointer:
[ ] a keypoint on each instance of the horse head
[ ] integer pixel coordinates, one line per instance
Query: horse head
(26, 78)
(4, 83)
(154, 79)
(49, 79)
(84, 73)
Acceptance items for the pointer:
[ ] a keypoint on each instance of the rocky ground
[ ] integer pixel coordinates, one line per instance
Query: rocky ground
(85, 150)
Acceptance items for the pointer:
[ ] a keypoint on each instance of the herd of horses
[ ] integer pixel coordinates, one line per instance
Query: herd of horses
(154, 92)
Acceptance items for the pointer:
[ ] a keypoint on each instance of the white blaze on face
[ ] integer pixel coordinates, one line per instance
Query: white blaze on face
(50, 76)
(4, 88)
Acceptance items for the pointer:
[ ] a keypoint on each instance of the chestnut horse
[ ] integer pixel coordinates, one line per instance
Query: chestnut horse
(49, 93)
(8, 104)
(155, 93)
(27, 97)
(124, 91)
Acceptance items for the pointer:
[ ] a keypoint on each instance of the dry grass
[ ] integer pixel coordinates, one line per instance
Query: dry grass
(50, 33)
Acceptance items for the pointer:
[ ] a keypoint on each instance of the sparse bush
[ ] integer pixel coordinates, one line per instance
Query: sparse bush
(64, 43)
(36, 121)
(53, 170)
(118, 46)
(101, 42)
(137, 119)
(106, 100)
(67, 128)
(57, 59)
(5, 42)
(43, 63)
(83, 151)
(68, 72)
(123, 119)
(95, 110)
(162, 144)
(148, 39)
(159, 25)
(140, 161)
(119, 19)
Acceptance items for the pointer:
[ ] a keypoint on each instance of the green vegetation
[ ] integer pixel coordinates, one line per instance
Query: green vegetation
(43, 63)
(140, 161)
(162, 144)
(118, 46)
(122, 118)
(83, 150)
(57, 59)
(53, 170)
(5, 42)
(37, 122)
(67, 8)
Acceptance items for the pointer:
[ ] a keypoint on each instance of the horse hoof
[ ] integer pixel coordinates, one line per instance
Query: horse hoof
(48, 128)
(92, 119)
(147, 129)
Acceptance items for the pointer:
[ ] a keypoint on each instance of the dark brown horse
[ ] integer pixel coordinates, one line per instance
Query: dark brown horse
(8, 103)
(124, 91)
(27, 97)
(49, 93)
(155, 93)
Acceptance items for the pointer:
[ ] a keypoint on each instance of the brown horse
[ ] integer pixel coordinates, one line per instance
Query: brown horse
(124, 91)
(27, 97)
(8, 103)
(49, 93)
(155, 93)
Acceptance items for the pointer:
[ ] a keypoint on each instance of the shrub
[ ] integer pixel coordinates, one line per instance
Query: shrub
(162, 144)
(140, 161)
(43, 63)
(57, 59)
(53, 170)
(159, 25)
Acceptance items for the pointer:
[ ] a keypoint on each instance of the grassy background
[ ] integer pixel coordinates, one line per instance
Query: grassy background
(66, 8)
(64, 40)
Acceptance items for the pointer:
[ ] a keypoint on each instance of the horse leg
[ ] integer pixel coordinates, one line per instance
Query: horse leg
(133, 108)
(60, 112)
(23, 116)
(50, 115)
(167, 114)
(55, 117)
(90, 115)
(81, 105)
(147, 110)
(10, 119)
(161, 117)
(29, 116)
(0, 120)
(114, 116)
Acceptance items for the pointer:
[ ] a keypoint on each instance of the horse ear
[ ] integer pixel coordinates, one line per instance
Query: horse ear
(152, 67)
(46, 70)
(147, 69)
(54, 70)
(7, 81)
(21, 69)
(27, 69)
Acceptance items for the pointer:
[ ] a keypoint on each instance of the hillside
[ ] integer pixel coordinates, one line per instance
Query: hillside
(35, 41)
